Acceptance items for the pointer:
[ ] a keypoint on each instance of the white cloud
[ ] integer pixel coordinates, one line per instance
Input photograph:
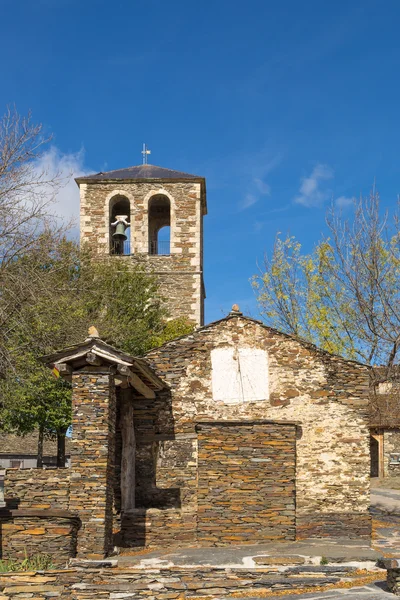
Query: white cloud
(262, 187)
(65, 167)
(255, 174)
(311, 192)
(344, 201)
(249, 200)
(258, 188)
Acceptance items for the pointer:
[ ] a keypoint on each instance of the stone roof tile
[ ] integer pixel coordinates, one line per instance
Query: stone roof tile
(140, 172)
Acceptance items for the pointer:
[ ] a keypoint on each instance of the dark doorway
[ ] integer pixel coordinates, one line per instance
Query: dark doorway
(374, 450)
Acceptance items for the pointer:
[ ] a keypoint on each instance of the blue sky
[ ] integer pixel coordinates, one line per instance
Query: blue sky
(282, 106)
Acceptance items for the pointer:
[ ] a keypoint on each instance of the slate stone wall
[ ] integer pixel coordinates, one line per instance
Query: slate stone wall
(350, 525)
(85, 490)
(177, 583)
(37, 488)
(36, 519)
(181, 273)
(158, 527)
(92, 459)
(391, 446)
(246, 482)
(28, 533)
(326, 395)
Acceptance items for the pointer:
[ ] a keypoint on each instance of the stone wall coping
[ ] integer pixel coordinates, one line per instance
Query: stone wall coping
(48, 470)
(244, 422)
(306, 344)
(6, 513)
(156, 511)
(389, 563)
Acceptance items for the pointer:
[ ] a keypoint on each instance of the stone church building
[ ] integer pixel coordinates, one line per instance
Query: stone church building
(235, 433)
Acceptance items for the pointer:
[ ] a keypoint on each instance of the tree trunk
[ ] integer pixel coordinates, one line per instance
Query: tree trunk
(61, 449)
(40, 448)
(128, 452)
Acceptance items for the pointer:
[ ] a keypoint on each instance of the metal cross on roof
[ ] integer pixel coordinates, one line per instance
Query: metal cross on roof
(145, 153)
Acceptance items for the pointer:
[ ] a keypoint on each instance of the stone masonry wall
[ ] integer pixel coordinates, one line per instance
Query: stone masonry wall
(326, 395)
(37, 488)
(180, 273)
(24, 533)
(340, 524)
(391, 445)
(37, 519)
(154, 528)
(92, 459)
(155, 583)
(246, 482)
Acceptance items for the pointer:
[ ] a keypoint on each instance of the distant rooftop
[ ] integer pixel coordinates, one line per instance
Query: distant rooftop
(27, 445)
(140, 172)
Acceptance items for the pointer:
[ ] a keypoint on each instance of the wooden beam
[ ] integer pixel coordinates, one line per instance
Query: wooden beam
(93, 359)
(148, 373)
(121, 381)
(128, 484)
(136, 382)
(63, 368)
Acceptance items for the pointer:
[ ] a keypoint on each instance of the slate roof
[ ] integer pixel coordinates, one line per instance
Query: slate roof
(26, 445)
(141, 172)
(235, 315)
(109, 354)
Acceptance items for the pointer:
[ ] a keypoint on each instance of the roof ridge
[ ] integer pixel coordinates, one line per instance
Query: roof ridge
(164, 168)
(124, 169)
(300, 340)
(140, 171)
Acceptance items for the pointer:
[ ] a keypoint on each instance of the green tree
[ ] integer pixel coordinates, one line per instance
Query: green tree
(50, 291)
(34, 400)
(344, 296)
(61, 292)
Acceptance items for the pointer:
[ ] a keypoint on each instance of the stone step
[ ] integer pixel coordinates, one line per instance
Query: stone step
(289, 559)
(194, 589)
(103, 580)
(321, 570)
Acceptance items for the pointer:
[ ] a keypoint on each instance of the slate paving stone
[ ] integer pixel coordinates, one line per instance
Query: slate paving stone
(371, 592)
(388, 535)
(335, 550)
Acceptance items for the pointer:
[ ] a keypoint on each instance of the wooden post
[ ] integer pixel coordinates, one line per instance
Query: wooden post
(381, 454)
(128, 482)
(379, 438)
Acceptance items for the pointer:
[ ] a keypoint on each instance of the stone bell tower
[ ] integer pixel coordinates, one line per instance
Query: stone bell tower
(154, 216)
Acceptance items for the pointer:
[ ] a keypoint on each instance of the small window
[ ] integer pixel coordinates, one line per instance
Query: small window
(159, 225)
(16, 463)
(163, 240)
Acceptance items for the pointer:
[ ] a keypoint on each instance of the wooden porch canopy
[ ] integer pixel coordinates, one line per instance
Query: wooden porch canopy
(94, 352)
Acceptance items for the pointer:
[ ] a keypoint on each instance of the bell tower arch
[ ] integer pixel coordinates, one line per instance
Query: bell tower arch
(152, 216)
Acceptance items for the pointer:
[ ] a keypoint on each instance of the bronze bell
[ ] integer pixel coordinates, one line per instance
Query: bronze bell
(119, 233)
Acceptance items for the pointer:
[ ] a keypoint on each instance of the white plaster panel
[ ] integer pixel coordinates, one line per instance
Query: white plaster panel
(239, 375)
